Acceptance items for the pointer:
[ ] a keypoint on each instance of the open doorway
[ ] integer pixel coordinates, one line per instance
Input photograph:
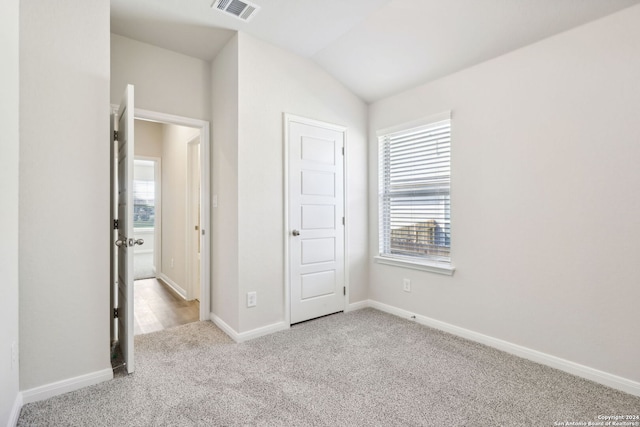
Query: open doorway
(176, 131)
(162, 215)
(166, 215)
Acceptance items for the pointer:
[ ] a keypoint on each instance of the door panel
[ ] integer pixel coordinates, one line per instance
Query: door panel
(316, 183)
(318, 250)
(318, 217)
(125, 155)
(318, 284)
(318, 150)
(316, 208)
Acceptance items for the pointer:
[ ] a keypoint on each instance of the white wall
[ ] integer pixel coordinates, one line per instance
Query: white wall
(64, 190)
(272, 82)
(545, 185)
(9, 159)
(165, 81)
(224, 185)
(148, 138)
(174, 201)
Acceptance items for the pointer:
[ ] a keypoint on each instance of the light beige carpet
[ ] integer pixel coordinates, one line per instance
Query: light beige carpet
(364, 368)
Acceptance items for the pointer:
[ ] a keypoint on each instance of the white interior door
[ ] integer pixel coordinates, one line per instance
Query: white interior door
(113, 282)
(126, 241)
(316, 211)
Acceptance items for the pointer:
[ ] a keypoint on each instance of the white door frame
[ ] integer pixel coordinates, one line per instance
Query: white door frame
(288, 118)
(189, 256)
(205, 208)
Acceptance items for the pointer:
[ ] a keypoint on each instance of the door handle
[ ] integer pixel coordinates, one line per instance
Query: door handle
(295, 232)
(123, 243)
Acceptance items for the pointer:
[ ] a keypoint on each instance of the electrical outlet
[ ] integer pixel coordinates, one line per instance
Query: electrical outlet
(406, 285)
(14, 355)
(252, 299)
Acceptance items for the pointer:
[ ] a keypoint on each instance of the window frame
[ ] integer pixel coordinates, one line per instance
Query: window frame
(137, 184)
(432, 264)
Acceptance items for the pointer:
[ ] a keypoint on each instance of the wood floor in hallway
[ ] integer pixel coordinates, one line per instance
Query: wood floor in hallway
(157, 307)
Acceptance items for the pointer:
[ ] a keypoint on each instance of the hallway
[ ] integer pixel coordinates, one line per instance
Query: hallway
(157, 307)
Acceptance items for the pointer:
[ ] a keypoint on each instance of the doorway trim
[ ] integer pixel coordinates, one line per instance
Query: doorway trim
(205, 208)
(287, 119)
(190, 199)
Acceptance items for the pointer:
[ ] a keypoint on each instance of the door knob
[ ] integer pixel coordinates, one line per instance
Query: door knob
(121, 243)
(295, 232)
(139, 242)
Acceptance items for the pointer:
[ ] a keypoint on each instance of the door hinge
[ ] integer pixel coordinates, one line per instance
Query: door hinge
(115, 224)
(115, 135)
(343, 151)
(343, 221)
(115, 313)
(344, 290)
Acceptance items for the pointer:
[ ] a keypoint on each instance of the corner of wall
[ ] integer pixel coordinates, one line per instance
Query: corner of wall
(224, 186)
(9, 214)
(63, 275)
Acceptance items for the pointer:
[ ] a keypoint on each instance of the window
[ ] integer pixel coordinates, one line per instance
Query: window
(143, 204)
(414, 195)
(144, 194)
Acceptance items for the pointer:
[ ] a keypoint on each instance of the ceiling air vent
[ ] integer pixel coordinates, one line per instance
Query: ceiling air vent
(240, 9)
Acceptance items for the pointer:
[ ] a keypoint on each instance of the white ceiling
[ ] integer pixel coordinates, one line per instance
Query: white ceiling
(374, 47)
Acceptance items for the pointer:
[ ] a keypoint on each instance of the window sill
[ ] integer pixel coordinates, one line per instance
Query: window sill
(433, 267)
(148, 230)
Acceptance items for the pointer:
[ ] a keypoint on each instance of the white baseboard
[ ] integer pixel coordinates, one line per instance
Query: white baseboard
(260, 332)
(60, 387)
(601, 377)
(15, 411)
(357, 306)
(173, 285)
(248, 335)
(225, 328)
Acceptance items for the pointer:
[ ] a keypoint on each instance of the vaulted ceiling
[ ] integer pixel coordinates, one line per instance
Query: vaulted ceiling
(374, 47)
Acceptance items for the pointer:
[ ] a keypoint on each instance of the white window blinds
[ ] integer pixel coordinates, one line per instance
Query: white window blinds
(415, 210)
